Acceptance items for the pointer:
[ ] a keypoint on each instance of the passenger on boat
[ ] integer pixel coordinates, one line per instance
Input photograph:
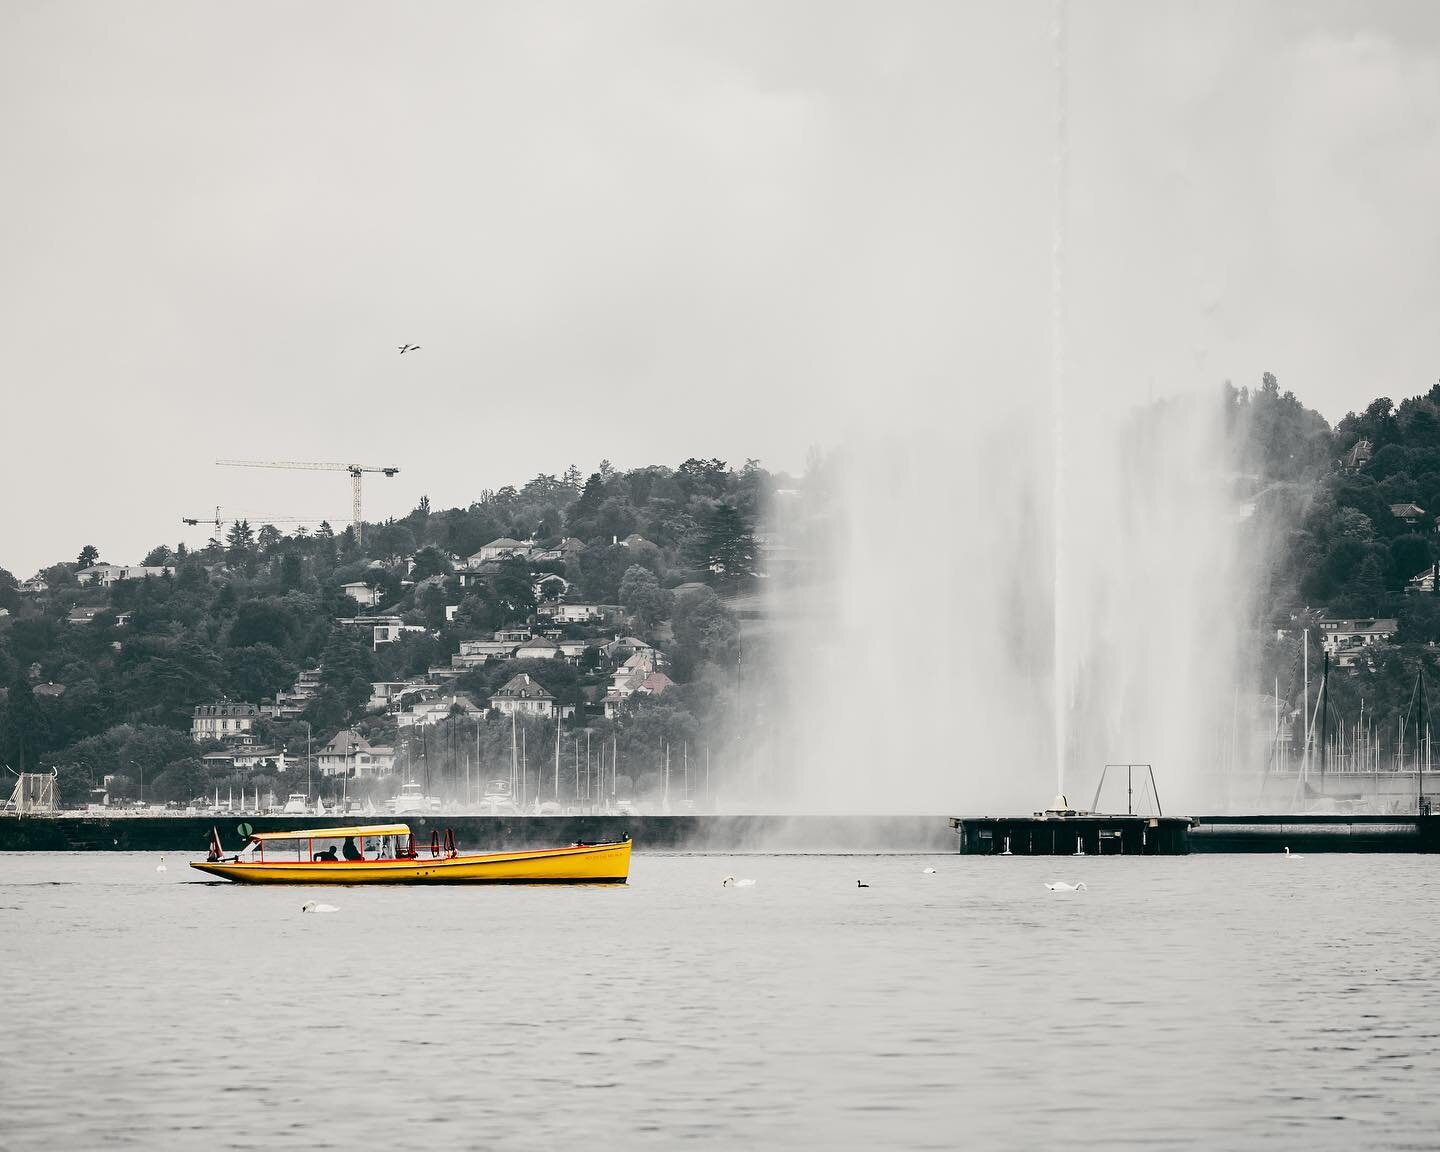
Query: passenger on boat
(330, 854)
(352, 852)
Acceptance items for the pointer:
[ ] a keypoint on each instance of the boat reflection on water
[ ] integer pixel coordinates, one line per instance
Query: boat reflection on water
(389, 854)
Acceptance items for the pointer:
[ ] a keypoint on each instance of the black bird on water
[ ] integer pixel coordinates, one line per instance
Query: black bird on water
(861, 884)
(409, 348)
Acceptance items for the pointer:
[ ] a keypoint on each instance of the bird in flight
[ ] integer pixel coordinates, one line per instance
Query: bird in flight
(409, 348)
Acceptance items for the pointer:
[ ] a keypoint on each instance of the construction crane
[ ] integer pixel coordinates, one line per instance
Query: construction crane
(355, 470)
(253, 517)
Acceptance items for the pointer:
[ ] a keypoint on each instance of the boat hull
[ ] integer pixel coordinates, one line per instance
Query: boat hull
(580, 864)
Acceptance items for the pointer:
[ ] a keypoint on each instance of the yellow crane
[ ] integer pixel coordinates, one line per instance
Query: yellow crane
(252, 517)
(356, 472)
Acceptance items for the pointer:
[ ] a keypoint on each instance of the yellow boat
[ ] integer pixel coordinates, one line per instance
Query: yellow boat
(388, 854)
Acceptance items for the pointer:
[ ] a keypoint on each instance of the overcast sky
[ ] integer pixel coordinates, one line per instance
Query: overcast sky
(644, 232)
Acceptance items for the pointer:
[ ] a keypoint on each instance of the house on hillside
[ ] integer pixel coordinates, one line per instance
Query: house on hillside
(35, 584)
(1346, 640)
(384, 629)
(572, 650)
(473, 653)
(515, 634)
(567, 549)
(537, 648)
(623, 647)
(361, 593)
(550, 586)
(571, 613)
(1358, 456)
(1411, 514)
(107, 574)
(222, 721)
(636, 682)
(350, 754)
(523, 696)
(427, 712)
(500, 549)
(83, 615)
(291, 705)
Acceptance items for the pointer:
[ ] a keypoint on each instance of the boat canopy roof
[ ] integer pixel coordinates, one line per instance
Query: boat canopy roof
(336, 833)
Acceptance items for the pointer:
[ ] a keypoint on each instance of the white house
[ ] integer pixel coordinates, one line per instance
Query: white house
(498, 550)
(571, 613)
(523, 696)
(473, 653)
(550, 586)
(638, 683)
(1345, 640)
(350, 754)
(386, 629)
(428, 712)
(36, 583)
(361, 593)
(573, 649)
(537, 648)
(223, 721)
(106, 574)
(514, 635)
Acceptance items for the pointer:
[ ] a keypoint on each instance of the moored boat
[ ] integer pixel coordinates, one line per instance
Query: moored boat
(389, 854)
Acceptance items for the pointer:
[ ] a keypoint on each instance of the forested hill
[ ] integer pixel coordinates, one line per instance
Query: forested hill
(102, 680)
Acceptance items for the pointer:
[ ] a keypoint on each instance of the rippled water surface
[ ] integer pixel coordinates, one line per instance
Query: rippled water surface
(1220, 1002)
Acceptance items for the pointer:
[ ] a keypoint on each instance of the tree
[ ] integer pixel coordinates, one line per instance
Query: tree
(641, 595)
(240, 541)
(24, 731)
(726, 546)
(88, 556)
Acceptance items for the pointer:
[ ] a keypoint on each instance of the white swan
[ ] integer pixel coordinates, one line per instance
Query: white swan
(731, 882)
(1292, 855)
(161, 866)
(928, 871)
(1061, 886)
(313, 906)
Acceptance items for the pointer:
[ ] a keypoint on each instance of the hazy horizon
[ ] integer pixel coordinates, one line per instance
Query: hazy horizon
(645, 232)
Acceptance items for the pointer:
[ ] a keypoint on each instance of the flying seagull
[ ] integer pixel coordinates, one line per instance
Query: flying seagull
(409, 348)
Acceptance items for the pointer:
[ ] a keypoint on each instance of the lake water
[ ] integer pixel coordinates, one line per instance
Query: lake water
(1228, 1002)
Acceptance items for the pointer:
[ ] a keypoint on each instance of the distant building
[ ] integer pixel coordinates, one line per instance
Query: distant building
(1346, 640)
(1411, 514)
(572, 613)
(35, 584)
(565, 550)
(361, 593)
(623, 647)
(83, 615)
(523, 696)
(350, 754)
(573, 649)
(428, 712)
(638, 682)
(537, 648)
(1359, 455)
(473, 653)
(106, 574)
(223, 721)
(384, 629)
(550, 586)
(291, 705)
(517, 634)
(498, 550)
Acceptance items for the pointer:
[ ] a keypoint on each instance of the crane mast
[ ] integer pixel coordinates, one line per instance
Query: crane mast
(357, 472)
